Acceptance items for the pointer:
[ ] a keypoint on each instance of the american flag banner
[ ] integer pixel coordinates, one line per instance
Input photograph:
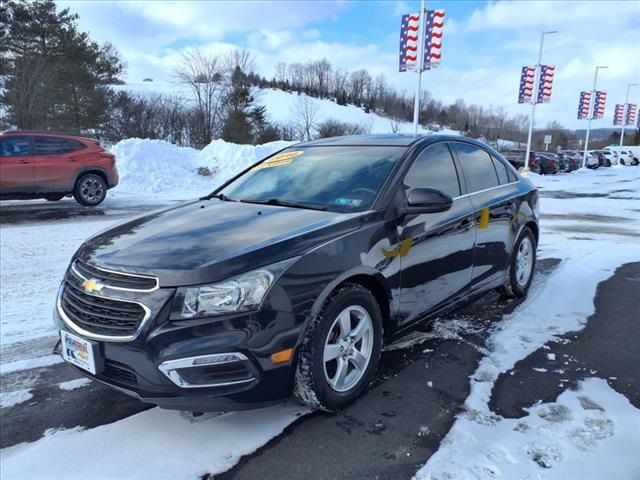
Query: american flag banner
(632, 110)
(433, 39)
(598, 108)
(545, 83)
(584, 105)
(526, 84)
(618, 114)
(409, 31)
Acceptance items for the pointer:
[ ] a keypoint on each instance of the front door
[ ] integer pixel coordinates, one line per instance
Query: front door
(436, 249)
(16, 165)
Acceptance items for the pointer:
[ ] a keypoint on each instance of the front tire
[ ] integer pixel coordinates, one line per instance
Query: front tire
(90, 190)
(522, 266)
(340, 350)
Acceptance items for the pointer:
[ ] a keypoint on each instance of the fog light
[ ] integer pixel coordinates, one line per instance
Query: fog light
(208, 370)
(282, 356)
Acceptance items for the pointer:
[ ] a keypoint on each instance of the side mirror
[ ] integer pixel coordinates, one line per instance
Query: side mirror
(427, 200)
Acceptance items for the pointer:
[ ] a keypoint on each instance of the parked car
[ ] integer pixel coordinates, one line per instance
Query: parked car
(516, 159)
(592, 160)
(52, 166)
(549, 165)
(625, 155)
(292, 276)
(604, 160)
(570, 160)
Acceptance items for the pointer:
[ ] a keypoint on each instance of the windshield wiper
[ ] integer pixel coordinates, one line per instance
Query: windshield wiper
(221, 196)
(285, 203)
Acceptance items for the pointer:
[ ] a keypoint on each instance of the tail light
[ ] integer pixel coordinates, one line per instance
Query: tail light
(109, 156)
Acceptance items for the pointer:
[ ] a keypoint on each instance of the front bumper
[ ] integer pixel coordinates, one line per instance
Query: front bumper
(153, 369)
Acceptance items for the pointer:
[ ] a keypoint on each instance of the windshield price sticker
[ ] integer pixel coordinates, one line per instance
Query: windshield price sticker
(278, 160)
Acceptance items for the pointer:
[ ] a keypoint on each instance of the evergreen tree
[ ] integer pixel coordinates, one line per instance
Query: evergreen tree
(55, 76)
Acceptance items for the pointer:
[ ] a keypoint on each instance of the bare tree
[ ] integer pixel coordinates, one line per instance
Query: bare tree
(281, 72)
(203, 74)
(241, 58)
(304, 112)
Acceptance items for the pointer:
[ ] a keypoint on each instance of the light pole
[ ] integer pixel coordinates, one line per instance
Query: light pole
(592, 109)
(534, 99)
(625, 111)
(419, 60)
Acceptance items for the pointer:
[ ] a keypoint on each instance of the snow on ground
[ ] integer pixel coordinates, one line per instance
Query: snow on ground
(568, 438)
(170, 445)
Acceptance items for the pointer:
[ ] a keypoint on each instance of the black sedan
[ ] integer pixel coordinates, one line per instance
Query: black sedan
(291, 277)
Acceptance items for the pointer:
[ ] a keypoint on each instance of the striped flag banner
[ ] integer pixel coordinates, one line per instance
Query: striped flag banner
(526, 84)
(600, 101)
(433, 39)
(409, 32)
(584, 105)
(545, 83)
(632, 110)
(618, 114)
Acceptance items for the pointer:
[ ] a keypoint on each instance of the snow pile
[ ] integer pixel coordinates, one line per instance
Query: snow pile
(155, 166)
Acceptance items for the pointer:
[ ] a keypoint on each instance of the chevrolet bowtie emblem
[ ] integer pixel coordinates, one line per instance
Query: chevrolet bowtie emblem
(92, 286)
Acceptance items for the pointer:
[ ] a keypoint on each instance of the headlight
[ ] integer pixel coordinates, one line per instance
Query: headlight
(241, 293)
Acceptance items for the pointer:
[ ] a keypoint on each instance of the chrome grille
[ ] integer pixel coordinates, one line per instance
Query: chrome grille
(99, 315)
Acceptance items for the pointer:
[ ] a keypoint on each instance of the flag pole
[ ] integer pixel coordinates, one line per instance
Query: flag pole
(419, 60)
(592, 111)
(625, 111)
(534, 99)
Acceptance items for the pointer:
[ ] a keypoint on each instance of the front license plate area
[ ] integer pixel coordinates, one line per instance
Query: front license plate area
(78, 351)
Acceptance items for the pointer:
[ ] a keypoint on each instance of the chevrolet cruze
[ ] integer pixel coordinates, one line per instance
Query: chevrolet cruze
(291, 277)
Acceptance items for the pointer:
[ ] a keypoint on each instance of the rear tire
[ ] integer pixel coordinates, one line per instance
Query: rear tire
(340, 350)
(90, 190)
(522, 266)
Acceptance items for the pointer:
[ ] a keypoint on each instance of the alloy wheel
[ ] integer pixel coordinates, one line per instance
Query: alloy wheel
(91, 190)
(348, 348)
(524, 261)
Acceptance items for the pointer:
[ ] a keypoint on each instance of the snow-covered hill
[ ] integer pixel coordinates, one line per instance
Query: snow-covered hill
(280, 106)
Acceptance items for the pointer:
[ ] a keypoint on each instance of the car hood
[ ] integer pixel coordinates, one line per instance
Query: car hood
(209, 240)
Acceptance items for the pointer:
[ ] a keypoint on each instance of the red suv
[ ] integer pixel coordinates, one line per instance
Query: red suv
(52, 166)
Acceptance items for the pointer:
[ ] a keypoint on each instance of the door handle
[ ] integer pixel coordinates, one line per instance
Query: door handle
(24, 161)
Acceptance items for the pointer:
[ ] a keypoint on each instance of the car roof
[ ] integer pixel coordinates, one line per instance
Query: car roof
(44, 133)
(388, 140)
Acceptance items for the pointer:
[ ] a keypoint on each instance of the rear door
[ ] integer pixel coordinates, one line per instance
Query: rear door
(56, 162)
(493, 193)
(16, 165)
(435, 249)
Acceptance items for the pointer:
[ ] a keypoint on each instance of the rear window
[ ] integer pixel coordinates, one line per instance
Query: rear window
(501, 170)
(47, 146)
(14, 146)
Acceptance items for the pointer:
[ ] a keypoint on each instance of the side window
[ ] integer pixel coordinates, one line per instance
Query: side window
(477, 164)
(14, 147)
(71, 145)
(434, 168)
(47, 146)
(501, 170)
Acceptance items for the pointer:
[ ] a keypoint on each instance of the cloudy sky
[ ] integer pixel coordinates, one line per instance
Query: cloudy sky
(485, 43)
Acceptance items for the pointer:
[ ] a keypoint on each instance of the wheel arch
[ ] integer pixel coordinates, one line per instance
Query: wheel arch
(87, 170)
(368, 278)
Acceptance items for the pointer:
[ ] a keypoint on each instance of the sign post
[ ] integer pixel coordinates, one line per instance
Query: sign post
(547, 142)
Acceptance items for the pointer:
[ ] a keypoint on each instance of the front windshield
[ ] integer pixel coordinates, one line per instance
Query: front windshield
(339, 179)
